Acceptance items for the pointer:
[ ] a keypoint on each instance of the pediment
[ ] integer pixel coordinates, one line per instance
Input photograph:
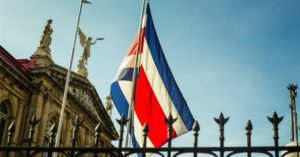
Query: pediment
(85, 98)
(80, 89)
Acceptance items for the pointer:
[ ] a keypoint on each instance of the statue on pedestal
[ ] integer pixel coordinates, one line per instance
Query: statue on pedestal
(46, 36)
(86, 44)
(42, 55)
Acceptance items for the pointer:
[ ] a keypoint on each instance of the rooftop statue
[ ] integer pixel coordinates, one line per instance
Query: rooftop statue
(42, 55)
(46, 36)
(86, 44)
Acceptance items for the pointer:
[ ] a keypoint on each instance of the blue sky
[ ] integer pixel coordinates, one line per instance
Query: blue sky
(230, 56)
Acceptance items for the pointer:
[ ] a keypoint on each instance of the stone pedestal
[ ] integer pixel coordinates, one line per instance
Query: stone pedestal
(42, 57)
(82, 71)
(291, 154)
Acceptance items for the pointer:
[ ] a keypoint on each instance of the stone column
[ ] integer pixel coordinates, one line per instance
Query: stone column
(68, 126)
(43, 123)
(36, 106)
(24, 120)
(83, 136)
(18, 120)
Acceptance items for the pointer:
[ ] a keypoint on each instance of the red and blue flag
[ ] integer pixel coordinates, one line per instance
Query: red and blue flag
(156, 92)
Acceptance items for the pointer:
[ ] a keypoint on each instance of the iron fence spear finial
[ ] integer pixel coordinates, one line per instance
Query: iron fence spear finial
(122, 122)
(145, 134)
(77, 123)
(11, 132)
(221, 121)
(33, 122)
(196, 129)
(275, 120)
(249, 128)
(98, 130)
(53, 131)
(169, 121)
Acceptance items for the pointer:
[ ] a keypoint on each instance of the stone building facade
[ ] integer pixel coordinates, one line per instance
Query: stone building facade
(35, 86)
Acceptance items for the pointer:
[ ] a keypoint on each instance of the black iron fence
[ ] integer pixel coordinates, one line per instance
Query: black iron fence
(120, 151)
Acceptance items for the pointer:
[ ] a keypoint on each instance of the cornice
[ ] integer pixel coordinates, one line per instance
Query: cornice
(14, 73)
(83, 88)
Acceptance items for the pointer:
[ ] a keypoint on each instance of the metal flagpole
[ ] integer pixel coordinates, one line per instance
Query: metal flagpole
(294, 124)
(68, 79)
(295, 121)
(131, 108)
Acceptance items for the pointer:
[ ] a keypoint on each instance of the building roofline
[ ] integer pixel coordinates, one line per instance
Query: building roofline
(7, 57)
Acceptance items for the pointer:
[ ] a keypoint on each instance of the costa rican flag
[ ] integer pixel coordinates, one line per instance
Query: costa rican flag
(156, 92)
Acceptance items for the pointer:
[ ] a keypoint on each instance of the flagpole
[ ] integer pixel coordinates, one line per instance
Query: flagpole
(131, 108)
(62, 111)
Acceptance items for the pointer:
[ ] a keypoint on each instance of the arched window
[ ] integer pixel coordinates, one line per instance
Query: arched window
(3, 120)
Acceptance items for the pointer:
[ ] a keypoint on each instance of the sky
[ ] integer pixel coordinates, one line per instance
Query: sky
(230, 56)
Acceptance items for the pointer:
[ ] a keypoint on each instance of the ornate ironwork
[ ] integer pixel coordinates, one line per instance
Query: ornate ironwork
(169, 121)
(221, 121)
(73, 151)
(249, 128)
(196, 129)
(11, 132)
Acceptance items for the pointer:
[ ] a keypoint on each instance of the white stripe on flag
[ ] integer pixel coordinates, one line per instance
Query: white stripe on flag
(138, 133)
(128, 62)
(126, 87)
(160, 90)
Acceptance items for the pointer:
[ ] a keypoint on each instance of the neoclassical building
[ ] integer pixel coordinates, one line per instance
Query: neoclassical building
(35, 86)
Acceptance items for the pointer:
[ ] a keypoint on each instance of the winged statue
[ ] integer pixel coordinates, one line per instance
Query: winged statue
(86, 44)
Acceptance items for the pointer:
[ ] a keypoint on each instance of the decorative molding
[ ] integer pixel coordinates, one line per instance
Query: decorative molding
(15, 74)
(85, 99)
(82, 97)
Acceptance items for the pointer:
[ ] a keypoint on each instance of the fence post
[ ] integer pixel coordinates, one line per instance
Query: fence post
(221, 121)
(77, 123)
(122, 122)
(196, 129)
(98, 130)
(170, 120)
(53, 131)
(275, 120)
(145, 134)
(11, 132)
(249, 128)
(33, 122)
(293, 94)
